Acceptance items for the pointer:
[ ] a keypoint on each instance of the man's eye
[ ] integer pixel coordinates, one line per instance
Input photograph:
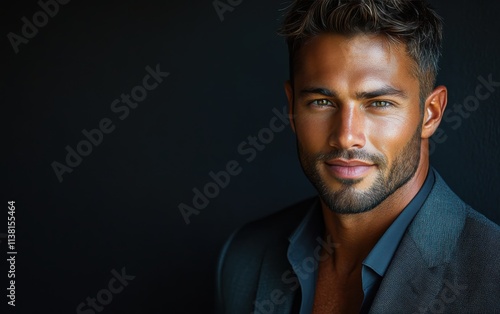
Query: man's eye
(380, 104)
(321, 103)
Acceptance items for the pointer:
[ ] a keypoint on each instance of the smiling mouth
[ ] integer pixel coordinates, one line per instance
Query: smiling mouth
(349, 169)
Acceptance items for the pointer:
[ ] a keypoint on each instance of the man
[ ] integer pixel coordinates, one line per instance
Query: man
(386, 234)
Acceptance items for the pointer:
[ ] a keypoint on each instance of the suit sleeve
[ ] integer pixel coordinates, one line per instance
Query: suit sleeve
(219, 290)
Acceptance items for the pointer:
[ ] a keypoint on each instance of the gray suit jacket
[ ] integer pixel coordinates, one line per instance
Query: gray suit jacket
(447, 262)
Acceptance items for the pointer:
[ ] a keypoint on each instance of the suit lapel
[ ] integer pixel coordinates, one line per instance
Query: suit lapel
(409, 284)
(277, 282)
(416, 274)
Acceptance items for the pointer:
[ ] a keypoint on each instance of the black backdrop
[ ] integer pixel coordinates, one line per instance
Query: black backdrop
(119, 207)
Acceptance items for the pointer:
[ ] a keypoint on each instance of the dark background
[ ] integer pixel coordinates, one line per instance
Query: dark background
(119, 207)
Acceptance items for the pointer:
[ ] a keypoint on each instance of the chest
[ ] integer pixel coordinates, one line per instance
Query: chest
(337, 294)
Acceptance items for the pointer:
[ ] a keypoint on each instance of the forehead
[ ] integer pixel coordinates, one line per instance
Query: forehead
(348, 59)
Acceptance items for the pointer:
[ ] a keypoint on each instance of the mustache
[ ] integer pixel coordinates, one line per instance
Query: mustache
(349, 154)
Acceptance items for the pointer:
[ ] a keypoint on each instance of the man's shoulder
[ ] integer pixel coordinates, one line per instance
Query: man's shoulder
(446, 224)
(478, 242)
(476, 220)
(453, 208)
(263, 237)
(448, 245)
(481, 234)
(242, 257)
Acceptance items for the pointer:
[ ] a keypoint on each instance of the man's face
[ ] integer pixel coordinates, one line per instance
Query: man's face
(357, 119)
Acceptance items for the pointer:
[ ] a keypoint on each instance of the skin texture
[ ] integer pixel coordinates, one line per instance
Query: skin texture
(362, 139)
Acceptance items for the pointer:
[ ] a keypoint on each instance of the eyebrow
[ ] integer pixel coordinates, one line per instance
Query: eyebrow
(319, 90)
(383, 91)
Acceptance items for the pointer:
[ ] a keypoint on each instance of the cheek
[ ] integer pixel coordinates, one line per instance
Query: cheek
(313, 131)
(389, 136)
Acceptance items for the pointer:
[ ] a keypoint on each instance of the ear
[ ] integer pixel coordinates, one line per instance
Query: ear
(289, 96)
(434, 107)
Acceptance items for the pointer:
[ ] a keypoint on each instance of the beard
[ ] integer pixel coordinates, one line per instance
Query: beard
(348, 199)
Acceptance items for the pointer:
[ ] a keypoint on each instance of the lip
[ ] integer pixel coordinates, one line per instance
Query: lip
(349, 169)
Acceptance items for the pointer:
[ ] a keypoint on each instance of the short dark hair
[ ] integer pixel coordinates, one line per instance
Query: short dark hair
(411, 22)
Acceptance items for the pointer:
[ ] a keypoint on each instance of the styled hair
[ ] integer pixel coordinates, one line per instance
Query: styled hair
(411, 22)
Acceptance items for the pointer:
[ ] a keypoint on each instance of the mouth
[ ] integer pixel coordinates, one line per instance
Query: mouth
(349, 169)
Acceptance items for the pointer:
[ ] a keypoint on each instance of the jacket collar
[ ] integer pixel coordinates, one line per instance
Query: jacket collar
(416, 274)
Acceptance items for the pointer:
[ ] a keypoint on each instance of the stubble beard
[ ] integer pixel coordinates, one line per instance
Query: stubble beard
(349, 200)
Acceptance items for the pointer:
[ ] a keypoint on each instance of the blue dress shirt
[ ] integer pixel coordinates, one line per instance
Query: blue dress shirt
(306, 242)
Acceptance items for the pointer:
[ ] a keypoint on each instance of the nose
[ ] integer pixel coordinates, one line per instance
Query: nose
(348, 128)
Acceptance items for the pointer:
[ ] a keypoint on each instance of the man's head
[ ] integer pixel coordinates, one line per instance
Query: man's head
(361, 96)
(411, 22)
